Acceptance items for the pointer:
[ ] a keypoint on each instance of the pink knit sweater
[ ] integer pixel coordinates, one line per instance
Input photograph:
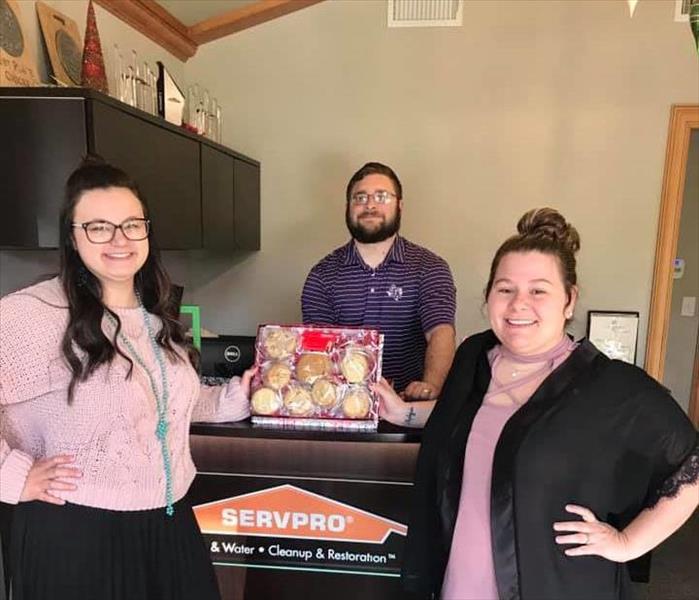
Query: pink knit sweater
(110, 426)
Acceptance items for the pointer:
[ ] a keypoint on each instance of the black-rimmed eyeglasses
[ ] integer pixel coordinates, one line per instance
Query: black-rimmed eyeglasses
(379, 197)
(103, 232)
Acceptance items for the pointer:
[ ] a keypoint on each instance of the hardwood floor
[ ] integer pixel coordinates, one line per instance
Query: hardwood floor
(675, 567)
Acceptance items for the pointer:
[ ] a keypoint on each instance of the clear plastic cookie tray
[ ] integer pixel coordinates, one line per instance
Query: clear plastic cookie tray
(317, 377)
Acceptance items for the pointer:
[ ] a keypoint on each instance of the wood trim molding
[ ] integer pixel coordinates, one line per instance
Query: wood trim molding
(694, 393)
(683, 119)
(244, 17)
(156, 23)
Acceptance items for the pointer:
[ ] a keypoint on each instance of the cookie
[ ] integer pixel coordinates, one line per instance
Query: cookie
(265, 402)
(354, 366)
(356, 404)
(280, 343)
(298, 402)
(277, 376)
(311, 366)
(324, 393)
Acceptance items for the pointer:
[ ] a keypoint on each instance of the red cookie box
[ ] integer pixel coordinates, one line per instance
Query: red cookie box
(317, 377)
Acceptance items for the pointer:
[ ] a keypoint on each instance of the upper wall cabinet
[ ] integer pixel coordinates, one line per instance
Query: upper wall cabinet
(200, 194)
(223, 177)
(41, 142)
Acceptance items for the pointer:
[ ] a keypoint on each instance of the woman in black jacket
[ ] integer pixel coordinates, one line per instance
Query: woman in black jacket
(544, 465)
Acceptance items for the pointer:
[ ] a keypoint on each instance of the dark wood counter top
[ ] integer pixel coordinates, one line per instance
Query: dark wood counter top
(386, 433)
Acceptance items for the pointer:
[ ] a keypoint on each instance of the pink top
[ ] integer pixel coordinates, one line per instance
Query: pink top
(470, 573)
(110, 426)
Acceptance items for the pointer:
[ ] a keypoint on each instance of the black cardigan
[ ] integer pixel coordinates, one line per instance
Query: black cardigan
(597, 432)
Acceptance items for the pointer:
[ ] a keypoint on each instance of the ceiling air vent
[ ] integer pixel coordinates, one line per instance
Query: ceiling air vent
(425, 13)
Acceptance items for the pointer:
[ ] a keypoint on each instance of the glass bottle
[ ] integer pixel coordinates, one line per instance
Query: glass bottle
(191, 106)
(145, 89)
(219, 125)
(154, 91)
(202, 120)
(211, 119)
(117, 74)
(133, 77)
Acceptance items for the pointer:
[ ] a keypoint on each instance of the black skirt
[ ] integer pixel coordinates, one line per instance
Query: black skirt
(77, 552)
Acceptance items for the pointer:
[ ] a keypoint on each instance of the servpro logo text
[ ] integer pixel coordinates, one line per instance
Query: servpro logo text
(292, 512)
(273, 519)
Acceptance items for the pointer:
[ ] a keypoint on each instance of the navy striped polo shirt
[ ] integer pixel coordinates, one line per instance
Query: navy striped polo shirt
(408, 294)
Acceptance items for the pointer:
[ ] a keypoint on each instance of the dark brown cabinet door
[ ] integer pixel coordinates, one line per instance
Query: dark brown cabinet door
(43, 140)
(217, 199)
(164, 164)
(230, 201)
(246, 184)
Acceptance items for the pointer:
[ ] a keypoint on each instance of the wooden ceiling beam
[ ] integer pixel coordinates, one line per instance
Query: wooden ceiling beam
(244, 17)
(156, 23)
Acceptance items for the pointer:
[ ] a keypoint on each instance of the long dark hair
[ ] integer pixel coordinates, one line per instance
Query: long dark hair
(84, 291)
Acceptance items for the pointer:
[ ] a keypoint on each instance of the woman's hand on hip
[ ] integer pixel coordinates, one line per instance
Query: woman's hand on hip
(592, 537)
(49, 475)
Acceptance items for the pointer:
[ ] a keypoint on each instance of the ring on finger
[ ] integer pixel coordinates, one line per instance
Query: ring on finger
(587, 539)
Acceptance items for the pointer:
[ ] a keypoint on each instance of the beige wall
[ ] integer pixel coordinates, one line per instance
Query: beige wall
(529, 103)
(682, 335)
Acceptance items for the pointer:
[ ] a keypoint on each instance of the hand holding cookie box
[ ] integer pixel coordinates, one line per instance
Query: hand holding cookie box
(316, 376)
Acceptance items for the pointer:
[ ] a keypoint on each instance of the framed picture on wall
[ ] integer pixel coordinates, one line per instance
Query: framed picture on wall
(615, 333)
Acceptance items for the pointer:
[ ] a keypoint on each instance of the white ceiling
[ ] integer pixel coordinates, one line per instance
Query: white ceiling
(194, 11)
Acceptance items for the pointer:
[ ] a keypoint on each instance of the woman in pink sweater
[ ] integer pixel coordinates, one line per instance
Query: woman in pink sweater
(97, 391)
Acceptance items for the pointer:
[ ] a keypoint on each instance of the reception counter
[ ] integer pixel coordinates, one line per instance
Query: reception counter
(291, 514)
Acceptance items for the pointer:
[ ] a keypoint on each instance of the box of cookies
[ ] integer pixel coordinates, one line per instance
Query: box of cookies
(316, 377)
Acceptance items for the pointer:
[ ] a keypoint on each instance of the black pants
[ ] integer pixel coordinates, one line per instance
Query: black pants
(5, 521)
(76, 552)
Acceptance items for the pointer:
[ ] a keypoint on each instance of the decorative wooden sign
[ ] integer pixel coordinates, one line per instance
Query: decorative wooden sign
(17, 65)
(63, 44)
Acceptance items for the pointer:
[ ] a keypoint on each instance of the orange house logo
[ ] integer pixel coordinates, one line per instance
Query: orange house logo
(286, 511)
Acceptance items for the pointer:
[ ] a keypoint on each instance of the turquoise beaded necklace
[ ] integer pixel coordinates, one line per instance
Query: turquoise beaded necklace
(160, 398)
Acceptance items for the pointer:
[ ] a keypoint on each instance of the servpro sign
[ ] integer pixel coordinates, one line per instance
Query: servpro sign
(287, 511)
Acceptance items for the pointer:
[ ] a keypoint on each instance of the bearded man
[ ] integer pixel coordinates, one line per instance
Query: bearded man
(382, 281)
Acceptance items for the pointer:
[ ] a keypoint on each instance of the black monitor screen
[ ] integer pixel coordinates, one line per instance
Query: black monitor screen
(227, 355)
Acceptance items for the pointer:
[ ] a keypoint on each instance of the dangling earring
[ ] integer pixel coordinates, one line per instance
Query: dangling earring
(82, 276)
(138, 285)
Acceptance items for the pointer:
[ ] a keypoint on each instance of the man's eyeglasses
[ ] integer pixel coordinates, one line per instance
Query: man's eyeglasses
(379, 197)
(103, 232)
